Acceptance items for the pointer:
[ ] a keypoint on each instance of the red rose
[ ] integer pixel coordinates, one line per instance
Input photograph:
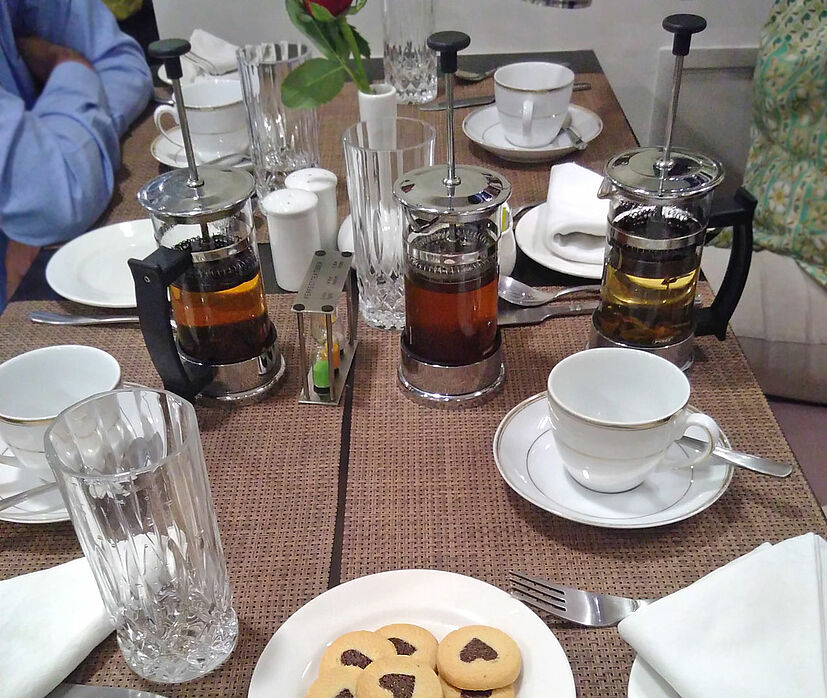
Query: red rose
(335, 7)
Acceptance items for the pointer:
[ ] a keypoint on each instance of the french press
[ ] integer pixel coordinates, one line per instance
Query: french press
(225, 347)
(660, 208)
(451, 348)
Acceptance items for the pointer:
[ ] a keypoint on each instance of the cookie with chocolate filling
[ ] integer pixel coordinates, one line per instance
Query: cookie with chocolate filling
(358, 649)
(338, 682)
(449, 691)
(478, 657)
(398, 677)
(411, 641)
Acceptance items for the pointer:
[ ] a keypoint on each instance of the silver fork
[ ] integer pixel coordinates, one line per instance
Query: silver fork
(574, 605)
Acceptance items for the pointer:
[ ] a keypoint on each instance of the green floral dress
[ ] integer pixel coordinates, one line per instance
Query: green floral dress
(787, 164)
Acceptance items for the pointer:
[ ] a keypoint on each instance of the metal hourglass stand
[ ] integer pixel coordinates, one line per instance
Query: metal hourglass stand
(451, 349)
(225, 347)
(661, 206)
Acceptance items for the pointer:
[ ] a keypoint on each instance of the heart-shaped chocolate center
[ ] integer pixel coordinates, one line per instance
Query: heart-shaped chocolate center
(402, 647)
(401, 685)
(344, 693)
(472, 694)
(355, 658)
(477, 649)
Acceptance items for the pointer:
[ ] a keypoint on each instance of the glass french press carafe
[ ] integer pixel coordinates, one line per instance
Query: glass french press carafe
(225, 346)
(451, 347)
(661, 204)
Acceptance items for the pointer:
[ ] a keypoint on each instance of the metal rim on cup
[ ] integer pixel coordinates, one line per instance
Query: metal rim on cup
(534, 90)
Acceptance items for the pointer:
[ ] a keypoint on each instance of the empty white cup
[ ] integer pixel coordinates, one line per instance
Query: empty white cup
(615, 412)
(216, 116)
(36, 386)
(532, 101)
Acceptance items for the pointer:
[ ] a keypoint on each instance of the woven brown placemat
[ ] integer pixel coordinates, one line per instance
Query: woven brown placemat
(273, 469)
(423, 491)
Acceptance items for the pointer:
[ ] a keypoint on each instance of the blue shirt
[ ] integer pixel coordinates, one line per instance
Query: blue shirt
(59, 149)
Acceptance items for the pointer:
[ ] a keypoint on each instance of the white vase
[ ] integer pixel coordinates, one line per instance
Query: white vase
(378, 109)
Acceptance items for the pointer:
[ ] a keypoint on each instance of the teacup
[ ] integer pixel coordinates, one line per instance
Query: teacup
(216, 116)
(532, 101)
(36, 386)
(615, 412)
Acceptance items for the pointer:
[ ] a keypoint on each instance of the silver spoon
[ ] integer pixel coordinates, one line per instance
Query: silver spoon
(45, 318)
(472, 76)
(518, 293)
(7, 502)
(576, 139)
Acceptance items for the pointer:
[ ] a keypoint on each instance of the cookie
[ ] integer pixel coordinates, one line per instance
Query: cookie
(339, 682)
(398, 677)
(449, 691)
(358, 649)
(478, 657)
(411, 641)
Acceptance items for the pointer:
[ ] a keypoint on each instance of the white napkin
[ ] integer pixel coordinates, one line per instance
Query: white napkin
(575, 218)
(754, 628)
(49, 621)
(214, 54)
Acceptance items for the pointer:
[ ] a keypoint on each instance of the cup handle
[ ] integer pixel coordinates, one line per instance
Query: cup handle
(528, 115)
(713, 431)
(158, 115)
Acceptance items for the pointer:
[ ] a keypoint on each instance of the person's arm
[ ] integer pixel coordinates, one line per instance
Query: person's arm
(88, 27)
(57, 160)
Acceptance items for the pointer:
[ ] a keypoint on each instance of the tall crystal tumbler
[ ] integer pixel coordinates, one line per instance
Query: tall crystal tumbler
(131, 470)
(410, 66)
(282, 140)
(377, 218)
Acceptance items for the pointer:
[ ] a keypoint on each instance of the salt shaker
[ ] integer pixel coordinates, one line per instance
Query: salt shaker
(293, 225)
(323, 184)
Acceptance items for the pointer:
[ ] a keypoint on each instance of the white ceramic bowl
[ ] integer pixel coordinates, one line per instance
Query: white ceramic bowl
(36, 386)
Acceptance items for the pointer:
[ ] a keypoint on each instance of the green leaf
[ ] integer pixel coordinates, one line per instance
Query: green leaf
(361, 42)
(313, 83)
(321, 13)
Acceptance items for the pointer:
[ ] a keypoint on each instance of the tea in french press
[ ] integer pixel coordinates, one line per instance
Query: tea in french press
(660, 208)
(451, 347)
(225, 347)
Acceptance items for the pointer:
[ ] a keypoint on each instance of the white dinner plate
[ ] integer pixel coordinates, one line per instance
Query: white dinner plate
(40, 509)
(645, 682)
(192, 72)
(483, 127)
(438, 601)
(92, 268)
(527, 458)
(172, 155)
(533, 240)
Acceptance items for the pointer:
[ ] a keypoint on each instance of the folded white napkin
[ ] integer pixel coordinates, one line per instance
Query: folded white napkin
(754, 628)
(214, 54)
(49, 621)
(575, 218)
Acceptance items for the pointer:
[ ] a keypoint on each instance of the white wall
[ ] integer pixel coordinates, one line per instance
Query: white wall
(626, 35)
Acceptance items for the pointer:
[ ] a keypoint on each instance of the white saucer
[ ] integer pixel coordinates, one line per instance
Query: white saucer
(192, 72)
(92, 268)
(527, 458)
(172, 155)
(483, 127)
(438, 601)
(645, 682)
(532, 239)
(40, 509)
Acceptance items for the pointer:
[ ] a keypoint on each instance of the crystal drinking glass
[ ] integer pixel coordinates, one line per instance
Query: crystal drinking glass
(377, 218)
(131, 470)
(282, 140)
(410, 66)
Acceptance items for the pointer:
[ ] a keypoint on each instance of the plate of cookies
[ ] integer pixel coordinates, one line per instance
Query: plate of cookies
(413, 634)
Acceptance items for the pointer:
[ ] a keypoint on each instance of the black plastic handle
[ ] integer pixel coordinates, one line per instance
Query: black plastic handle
(448, 44)
(683, 27)
(737, 212)
(170, 51)
(152, 276)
